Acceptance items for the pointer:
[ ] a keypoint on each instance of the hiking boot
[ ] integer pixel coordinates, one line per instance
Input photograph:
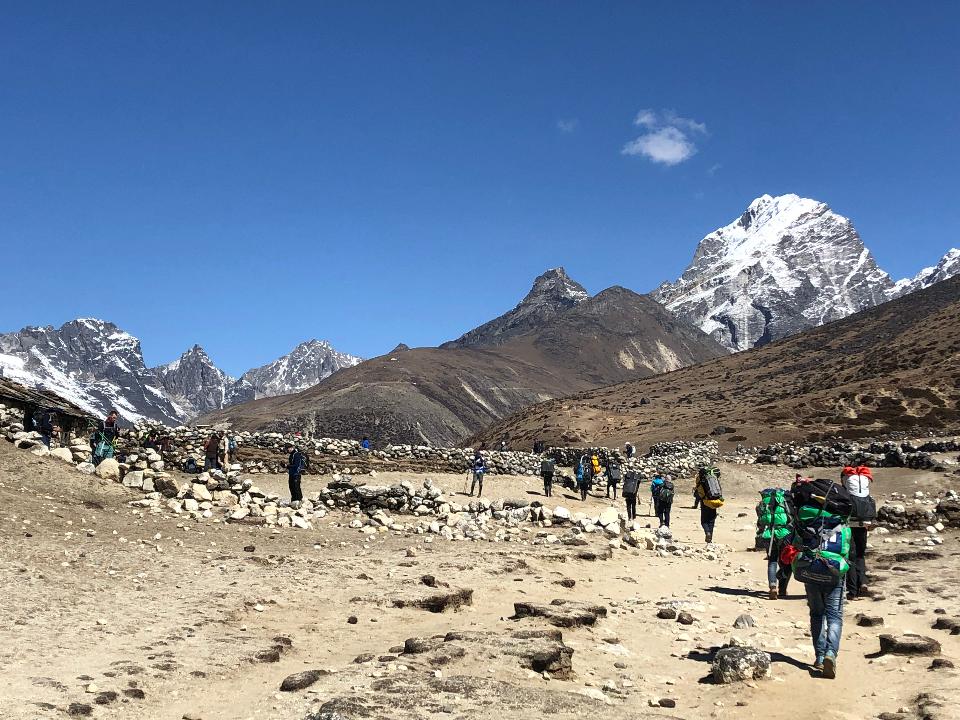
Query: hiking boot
(829, 667)
(708, 538)
(818, 665)
(773, 593)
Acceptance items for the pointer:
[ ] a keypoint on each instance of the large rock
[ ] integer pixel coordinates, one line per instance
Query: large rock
(109, 469)
(301, 680)
(908, 645)
(63, 454)
(562, 613)
(737, 664)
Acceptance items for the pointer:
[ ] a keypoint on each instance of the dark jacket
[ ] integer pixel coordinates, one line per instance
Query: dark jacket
(109, 429)
(296, 463)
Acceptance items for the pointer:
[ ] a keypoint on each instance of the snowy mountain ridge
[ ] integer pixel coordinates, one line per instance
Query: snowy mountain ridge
(786, 264)
(96, 365)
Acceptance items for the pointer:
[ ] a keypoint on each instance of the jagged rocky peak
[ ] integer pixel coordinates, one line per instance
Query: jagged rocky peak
(786, 264)
(948, 266)
(308, 363)
(552, 293)
(195, 383)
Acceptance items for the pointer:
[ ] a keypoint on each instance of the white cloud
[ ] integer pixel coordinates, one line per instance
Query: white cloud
(713, 169)
(668, 137)
(567, 125)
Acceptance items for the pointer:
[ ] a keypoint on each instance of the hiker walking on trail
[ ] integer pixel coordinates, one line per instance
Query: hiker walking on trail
(583, 477)
(629, 450)
(296, 465)
(547, 469)
(774, 530)
(665, 501)
(655, 486)
(479, 468)
(710, 494)
(821, 549)
(614, 475)
(631, 485)
(857, 481)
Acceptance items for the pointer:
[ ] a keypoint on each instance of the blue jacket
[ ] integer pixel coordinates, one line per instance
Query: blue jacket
(656, 485)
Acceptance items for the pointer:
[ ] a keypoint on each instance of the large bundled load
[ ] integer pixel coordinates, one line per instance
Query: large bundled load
(822, 535)
(708, 487)
(774, 517)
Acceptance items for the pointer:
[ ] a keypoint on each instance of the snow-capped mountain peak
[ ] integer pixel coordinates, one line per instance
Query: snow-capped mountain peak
(787, 263)
(306, 365)
(948, 266)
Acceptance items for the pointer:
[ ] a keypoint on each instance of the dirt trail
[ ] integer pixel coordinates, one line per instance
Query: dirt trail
(184, 624)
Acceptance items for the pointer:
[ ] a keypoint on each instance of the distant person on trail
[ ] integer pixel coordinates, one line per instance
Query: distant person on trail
(583, 477)
(365, 444)
(614, 475)
(857, 481)
(631, 484)
(629, 450)
(656, 485)
(665, 501)
(503, 445)
(211, 452)
(479, 468)
(710, 494)
(547, 469)
(296, 465)
(774, 531)
(109, 426)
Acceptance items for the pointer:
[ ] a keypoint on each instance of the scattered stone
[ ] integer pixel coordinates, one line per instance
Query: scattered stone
(667, 703)
(301, 680)
(685, 618)
(352, 620)
(667, 613)
(79, 709)
(738, 664)
(562, 613)
(744, 621)
(869, 620)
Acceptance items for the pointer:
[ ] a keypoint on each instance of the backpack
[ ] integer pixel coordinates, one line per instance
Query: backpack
(613, 472)
(820, 494)
(231, 445)
(631, 483)
(774, 515)
(708, 487)
(665, 496)
(546, 467)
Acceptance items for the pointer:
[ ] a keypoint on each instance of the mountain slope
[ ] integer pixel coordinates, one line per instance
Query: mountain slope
(889, 368)
(93, 364)
(441, 395)
(195, 384)
(787, 264)
(552, 294)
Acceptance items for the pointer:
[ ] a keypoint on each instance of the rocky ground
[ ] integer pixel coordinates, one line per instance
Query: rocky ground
(114, 612)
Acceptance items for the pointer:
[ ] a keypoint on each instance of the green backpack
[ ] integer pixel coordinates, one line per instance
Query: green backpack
(774, 514)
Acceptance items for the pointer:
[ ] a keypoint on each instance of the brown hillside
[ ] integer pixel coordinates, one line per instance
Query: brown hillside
(443, 395)
(894, 367)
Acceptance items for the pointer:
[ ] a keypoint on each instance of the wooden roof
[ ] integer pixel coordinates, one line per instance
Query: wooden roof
(15, 392)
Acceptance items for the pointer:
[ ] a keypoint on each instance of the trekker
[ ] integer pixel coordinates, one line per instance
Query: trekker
(614, 475)
(46, 427)
(710, 494)
(656, 485)
(583, 477)
(774, 530)
(365, 444)
(821, 548)
(665, 501)
(103, 439)
(631, 484)
(596, 470)
(857, 482)
(629, 450)
(503, 445)
(296, 465)
(479, 468)
(211, 452)
(547, 469)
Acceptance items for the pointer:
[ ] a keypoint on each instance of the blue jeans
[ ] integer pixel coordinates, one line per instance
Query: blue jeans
(826, 618)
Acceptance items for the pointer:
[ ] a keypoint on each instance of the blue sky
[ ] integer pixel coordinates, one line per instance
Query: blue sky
(250, 175)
